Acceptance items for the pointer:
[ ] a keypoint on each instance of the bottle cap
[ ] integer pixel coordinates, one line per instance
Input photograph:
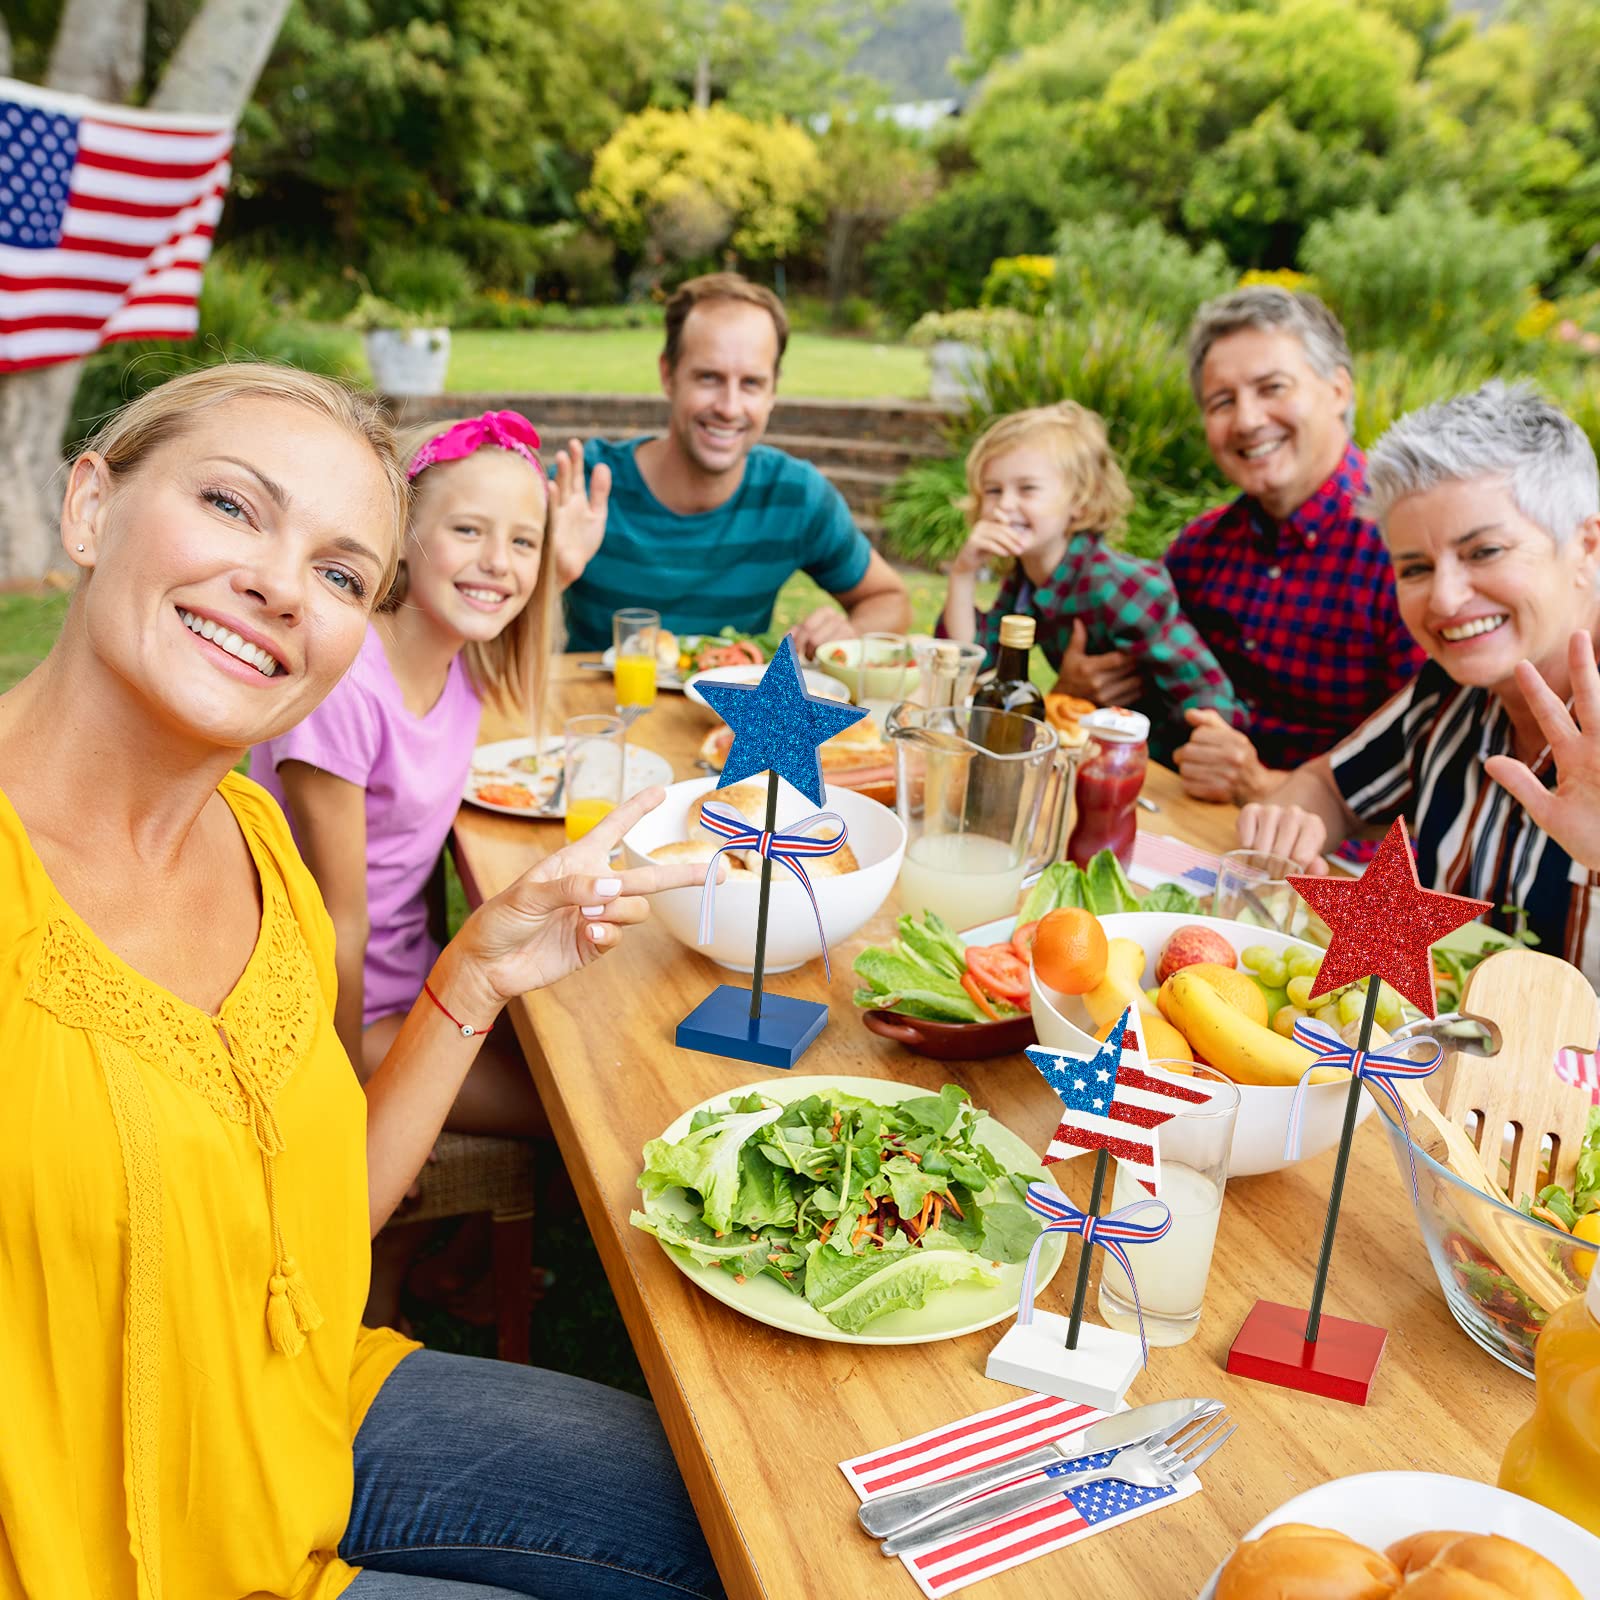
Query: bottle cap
(1016, 632)
(947, 653)
(1113, 725)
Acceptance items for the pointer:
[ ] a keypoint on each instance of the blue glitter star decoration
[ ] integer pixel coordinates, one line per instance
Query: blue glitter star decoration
(778, 724)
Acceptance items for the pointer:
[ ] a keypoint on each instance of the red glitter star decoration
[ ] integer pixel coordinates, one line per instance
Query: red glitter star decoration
(1384, 922)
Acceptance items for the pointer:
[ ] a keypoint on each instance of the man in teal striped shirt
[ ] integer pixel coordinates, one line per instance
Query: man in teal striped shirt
(704, 523)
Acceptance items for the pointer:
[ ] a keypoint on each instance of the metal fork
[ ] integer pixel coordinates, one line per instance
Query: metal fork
(1158, 1463)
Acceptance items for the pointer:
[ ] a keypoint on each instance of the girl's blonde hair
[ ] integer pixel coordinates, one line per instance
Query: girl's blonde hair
(142, 426)
(513, 667)
(1076, 440)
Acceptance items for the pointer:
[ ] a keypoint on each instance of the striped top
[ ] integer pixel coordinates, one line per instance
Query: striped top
(714, 569)
(1422, 754)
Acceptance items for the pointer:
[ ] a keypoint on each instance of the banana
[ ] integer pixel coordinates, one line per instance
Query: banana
(1230, 1041)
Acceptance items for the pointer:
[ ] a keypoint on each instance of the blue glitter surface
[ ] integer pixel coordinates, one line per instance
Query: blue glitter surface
(777, 725)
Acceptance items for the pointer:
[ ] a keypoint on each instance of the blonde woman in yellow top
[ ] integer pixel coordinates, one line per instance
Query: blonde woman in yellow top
(190, 1173)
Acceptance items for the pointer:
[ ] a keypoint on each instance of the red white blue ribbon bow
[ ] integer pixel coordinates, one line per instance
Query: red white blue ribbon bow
(1113, 1232)
(790, 848)
(1378, 1069)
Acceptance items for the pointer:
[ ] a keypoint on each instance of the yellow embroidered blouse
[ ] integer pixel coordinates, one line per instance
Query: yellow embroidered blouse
(183, 1255)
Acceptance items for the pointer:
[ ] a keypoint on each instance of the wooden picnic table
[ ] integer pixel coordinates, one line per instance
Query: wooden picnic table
(760, 1419)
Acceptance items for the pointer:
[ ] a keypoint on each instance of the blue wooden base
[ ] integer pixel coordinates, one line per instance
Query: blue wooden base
(721, 1026)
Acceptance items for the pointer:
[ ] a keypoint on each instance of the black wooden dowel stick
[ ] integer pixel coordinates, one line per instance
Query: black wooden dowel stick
(761, 910)
(1083, 1259)
(1351, 1106)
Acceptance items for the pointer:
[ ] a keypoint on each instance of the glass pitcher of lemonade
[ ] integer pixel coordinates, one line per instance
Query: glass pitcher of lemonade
(978, 820)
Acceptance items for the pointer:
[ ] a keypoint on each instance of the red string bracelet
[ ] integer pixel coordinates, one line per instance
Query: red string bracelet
(467, 1030)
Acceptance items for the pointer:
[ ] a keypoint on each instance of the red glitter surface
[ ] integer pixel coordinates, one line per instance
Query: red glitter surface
(1385, 923)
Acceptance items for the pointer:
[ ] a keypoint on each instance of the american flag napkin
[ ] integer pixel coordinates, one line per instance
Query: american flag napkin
(1158, 859)
(1002, 1434)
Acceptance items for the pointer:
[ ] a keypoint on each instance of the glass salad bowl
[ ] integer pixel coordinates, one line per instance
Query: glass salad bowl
(1502, 1273)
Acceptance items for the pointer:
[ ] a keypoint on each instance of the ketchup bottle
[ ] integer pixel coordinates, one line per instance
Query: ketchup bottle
(1109, 780)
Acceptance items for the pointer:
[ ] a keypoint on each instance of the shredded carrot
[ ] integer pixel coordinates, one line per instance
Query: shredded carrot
(864, 1225)
(937, 1208)
(950, 1200)
(826, 1229)
(911, 1155)
(837, 1121)
(738, 1277)
(979, 998)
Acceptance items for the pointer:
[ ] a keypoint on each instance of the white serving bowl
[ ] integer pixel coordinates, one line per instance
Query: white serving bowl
(1062, 1023)
(1378, 1508)
(876, 836)
(841, 659)
(747, 677)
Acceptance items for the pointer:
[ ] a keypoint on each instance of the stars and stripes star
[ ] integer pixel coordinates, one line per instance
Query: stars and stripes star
(1581, 1070)
(106, 220)
(1112, 1101)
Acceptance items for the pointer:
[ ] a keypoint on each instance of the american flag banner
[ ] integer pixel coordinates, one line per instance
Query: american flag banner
(1580, 1069)
(1113, 1102)
(106, 219)
(984, 1440)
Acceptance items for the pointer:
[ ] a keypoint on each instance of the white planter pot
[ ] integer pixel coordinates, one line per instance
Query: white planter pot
(408, 360)
(956, 372)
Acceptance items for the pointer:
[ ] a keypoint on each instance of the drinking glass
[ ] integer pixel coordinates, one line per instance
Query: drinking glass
(946, 671)
(633, 640)
(1172, 1272)
(886, 673)
(1252, 887)
(595, 752)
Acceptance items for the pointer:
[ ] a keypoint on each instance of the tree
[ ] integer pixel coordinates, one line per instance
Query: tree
(684, 183)
(212, 71)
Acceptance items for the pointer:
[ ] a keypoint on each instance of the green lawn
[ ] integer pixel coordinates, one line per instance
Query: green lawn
(623, 361)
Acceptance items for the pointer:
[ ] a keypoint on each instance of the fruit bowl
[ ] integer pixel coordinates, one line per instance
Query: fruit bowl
(888, 683)
(1063, 1023)
(1502, 1273)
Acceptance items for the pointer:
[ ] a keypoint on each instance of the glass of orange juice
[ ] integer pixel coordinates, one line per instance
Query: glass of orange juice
(595, 750)
(633, 639)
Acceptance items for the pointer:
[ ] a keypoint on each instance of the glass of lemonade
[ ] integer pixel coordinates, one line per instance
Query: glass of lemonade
(1172, 1271)
(595, 753)
(633, 640)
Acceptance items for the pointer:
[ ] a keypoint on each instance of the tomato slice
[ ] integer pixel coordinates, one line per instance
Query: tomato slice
(1000, 970)
(1022, 939)
(979, 998)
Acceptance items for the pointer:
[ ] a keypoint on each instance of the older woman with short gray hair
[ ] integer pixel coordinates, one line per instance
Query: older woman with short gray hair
(1490, 507)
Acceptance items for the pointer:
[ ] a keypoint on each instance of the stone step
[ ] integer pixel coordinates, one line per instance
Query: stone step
(863, 490)
(877, 455)
(916, 424)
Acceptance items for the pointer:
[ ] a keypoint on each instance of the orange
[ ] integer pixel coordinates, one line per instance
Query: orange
(1162, 1042)
(1069, 950)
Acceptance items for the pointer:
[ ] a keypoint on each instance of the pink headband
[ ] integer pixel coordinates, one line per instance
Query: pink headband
(509, 430)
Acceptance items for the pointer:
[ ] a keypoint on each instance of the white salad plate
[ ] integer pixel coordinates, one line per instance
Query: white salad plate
(513, 761)
(949, 1313)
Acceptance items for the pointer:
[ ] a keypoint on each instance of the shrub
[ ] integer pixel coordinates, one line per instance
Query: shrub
(1432, 274)
(580, 265)
(500, 254)
(938, 255)
(922, 518)
(238, 322)
(1105, 261)
(1024, 283)
(976, 325)
(424, 278)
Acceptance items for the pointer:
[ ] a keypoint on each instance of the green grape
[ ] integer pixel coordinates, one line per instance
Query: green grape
(1257, 957)
(1351, 1004)
(1328, 1013)
(1276, 998)
(1389, 1012)
(1299, 991)
(1274, 974)
(1285, 1020)
(1303, 963)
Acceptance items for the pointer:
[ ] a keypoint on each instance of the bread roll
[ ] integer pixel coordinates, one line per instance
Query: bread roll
(748, 799)
(1297, 1562)
(1476, 1566)
(699, 850)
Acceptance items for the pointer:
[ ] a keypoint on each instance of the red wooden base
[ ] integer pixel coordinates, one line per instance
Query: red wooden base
(1271, 1347)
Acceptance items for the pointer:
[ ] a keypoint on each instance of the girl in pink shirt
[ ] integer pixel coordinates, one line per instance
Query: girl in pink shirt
(372, 779)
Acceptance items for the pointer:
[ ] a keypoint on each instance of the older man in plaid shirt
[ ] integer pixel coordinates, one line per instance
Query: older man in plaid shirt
(1288, 584)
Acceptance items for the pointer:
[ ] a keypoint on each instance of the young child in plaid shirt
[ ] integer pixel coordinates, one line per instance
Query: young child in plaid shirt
(1043, 491)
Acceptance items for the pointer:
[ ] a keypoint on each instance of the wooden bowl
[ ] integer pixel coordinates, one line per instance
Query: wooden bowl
(954, 1041)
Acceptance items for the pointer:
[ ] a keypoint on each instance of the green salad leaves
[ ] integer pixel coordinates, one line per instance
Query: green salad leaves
(860, 1208)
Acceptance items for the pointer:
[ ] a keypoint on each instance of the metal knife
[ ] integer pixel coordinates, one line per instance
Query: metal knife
(885, 1514)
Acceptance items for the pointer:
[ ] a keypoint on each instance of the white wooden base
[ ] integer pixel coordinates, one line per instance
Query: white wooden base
(1097, 1373)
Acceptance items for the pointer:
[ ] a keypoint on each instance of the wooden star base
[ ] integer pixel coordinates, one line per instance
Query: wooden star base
(1271, 1347)
(721, 1025)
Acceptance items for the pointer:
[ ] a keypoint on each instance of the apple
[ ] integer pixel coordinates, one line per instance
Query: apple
(1191, 946)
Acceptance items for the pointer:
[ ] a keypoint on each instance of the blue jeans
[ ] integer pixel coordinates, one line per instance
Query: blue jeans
(478, 1480)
